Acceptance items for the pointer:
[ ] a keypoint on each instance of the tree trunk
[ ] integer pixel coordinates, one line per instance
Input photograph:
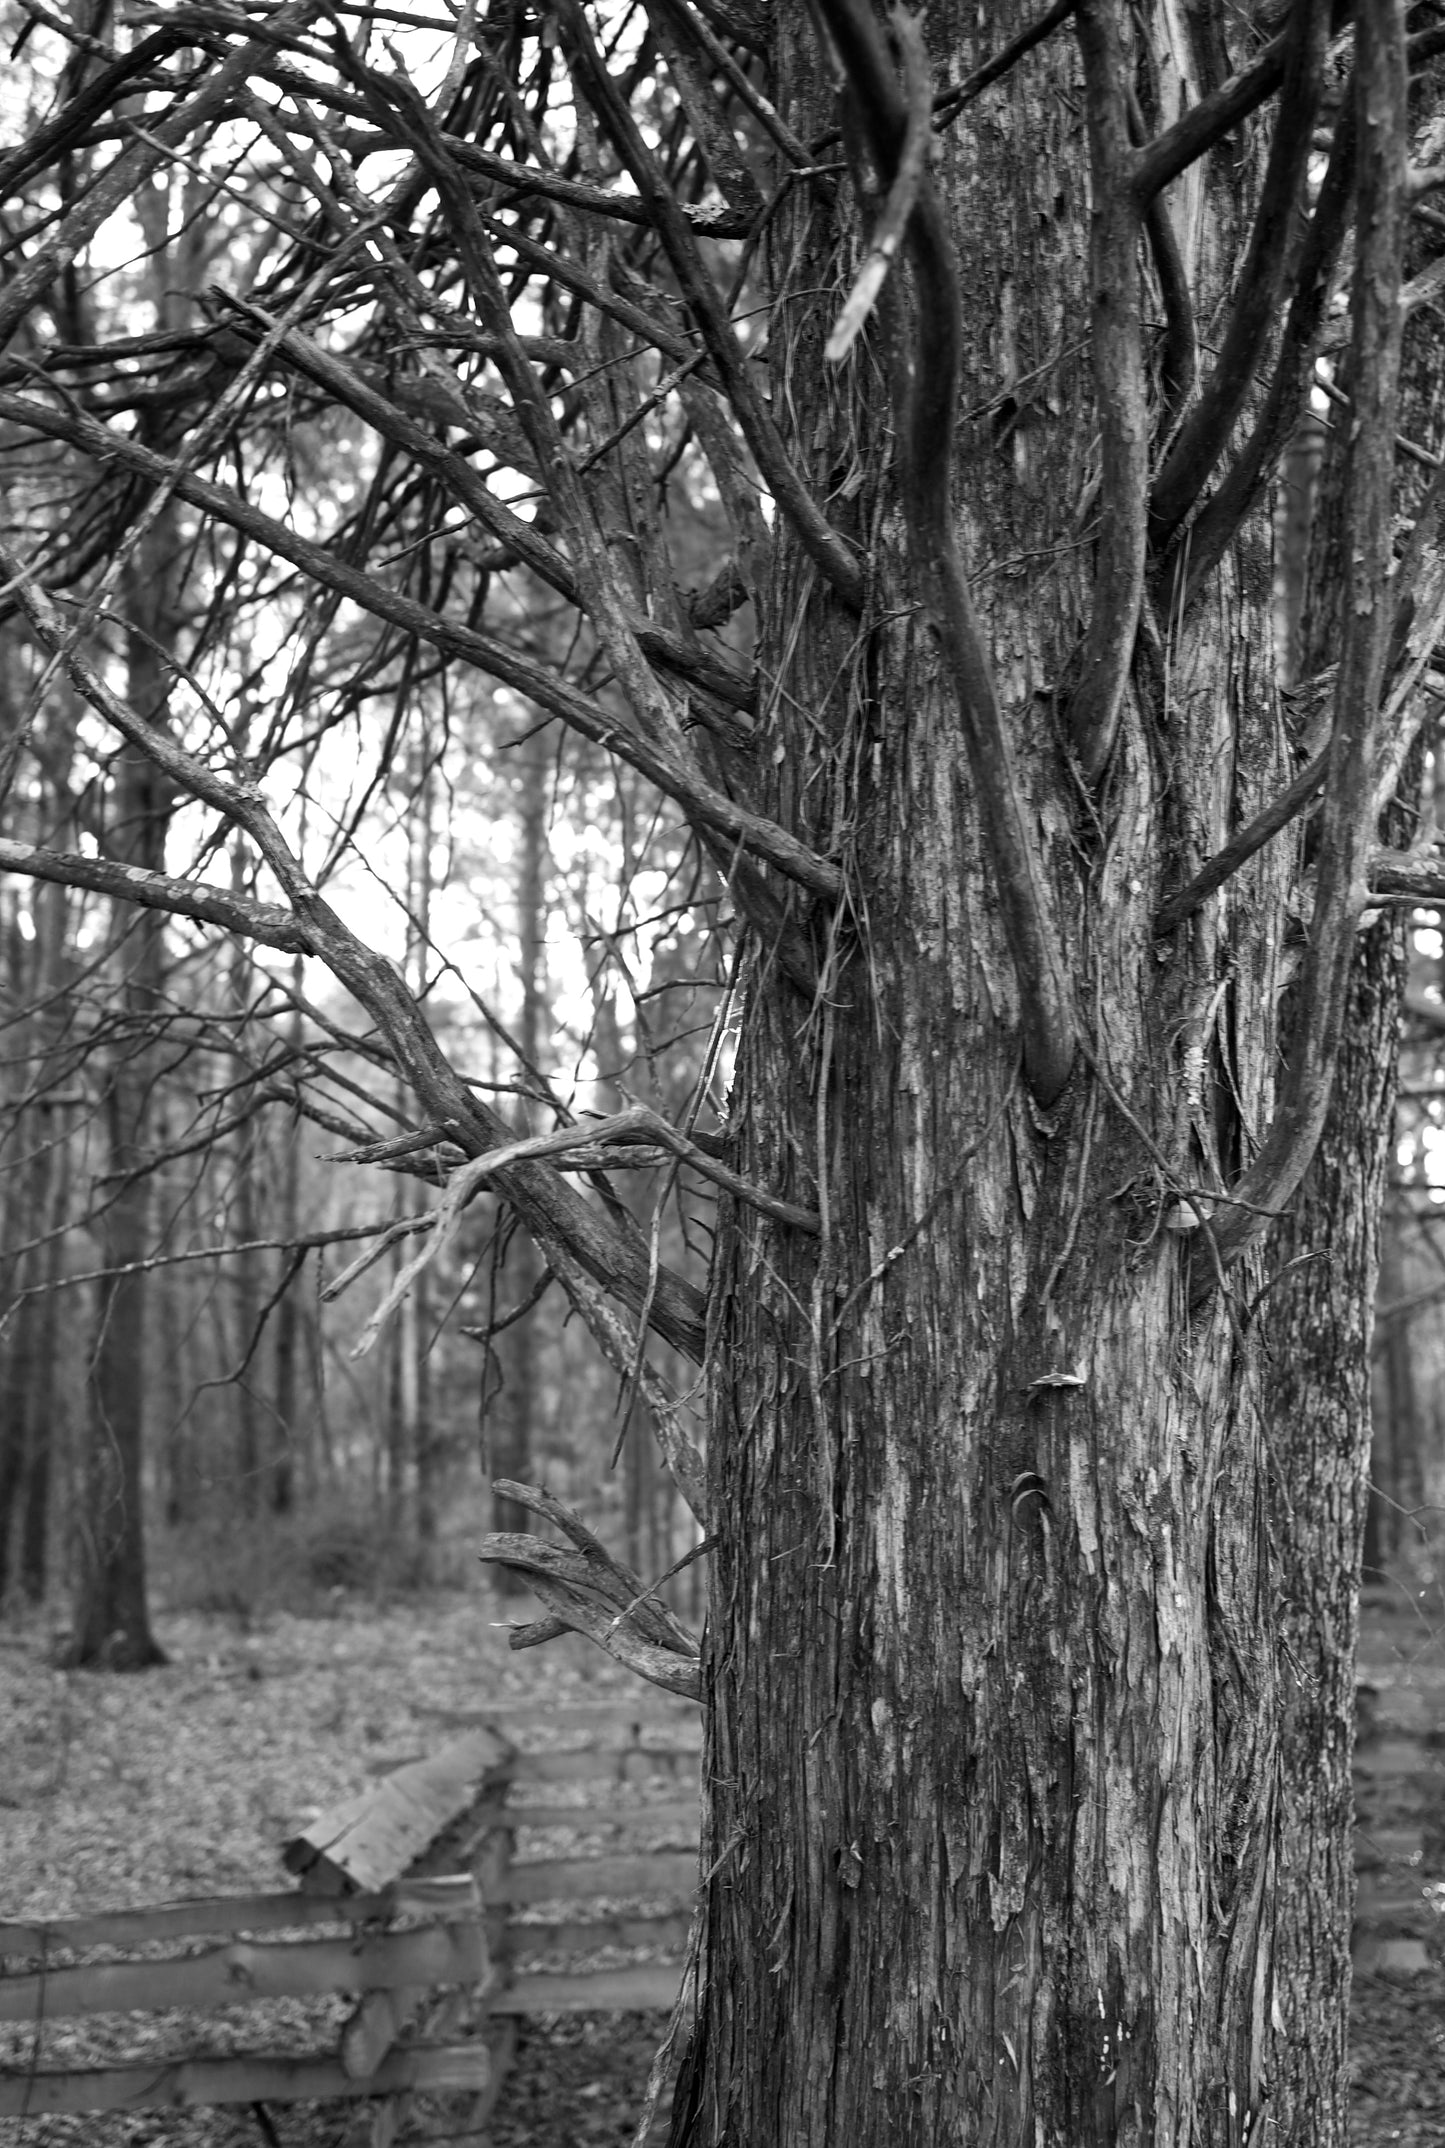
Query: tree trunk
(1317, 1388)
(112, 1619)
(512, 1447)
(995, 1661)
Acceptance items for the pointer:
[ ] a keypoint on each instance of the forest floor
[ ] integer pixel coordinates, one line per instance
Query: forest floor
(122, 1792)
(1397, 2021)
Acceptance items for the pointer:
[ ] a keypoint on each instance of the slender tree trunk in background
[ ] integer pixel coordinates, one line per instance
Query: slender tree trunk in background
(287, 1362)
(418, 1314)
(512, 1449)
(395, 1439)
(36, 1346)
(290, 1417)
(12, 1445)
(246, 1273)
(112, 1621)
(112, 1618)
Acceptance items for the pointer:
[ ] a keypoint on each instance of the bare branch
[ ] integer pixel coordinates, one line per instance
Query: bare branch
(828, 551)
(949, 103)
(1213, 529)
(132, 167)
(698, 798)
(1120, 393)
(466, 1179)
(594, 1594)
(565, 1226)
(263, 921)
(1406, 875)
(1346, 818)
(1197, 130)
(1241, 848)
(350, 387)
(1205, 432)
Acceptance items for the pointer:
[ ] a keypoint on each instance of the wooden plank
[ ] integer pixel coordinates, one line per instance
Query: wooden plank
(447, 1897)
(255, 2077)
(666, 1812)
(369, 1841)
(668, 1929)
(369, 2033)
(246, 1970)
(653, 1709)
(571, 1879)
(606, 1991)
(607, 1764)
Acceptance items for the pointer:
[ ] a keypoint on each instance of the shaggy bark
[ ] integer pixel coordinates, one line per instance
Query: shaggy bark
(1010, 1800)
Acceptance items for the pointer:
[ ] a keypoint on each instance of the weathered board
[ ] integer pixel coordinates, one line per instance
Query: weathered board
(182, 2084)
(42, 1939)
(367, 1842)
(247, 1970)
(651, 1989)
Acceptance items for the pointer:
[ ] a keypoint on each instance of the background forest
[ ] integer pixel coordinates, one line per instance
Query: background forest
(178, 1247)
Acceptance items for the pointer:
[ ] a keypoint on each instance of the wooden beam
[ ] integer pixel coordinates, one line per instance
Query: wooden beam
(617, 1763)
(556, 1879)
(681, 1812)
(255, 2077)
(447, 1899)
(602, 1991)
(669, 1930)
(246, 1970)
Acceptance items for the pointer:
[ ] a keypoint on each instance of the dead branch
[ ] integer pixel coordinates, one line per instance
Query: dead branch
(828, 551)
(699, 799)
(594, 1594)
(263, 921)
(561, 1221)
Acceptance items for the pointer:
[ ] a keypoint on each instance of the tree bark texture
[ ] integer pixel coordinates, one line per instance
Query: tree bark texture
(997, 1656)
